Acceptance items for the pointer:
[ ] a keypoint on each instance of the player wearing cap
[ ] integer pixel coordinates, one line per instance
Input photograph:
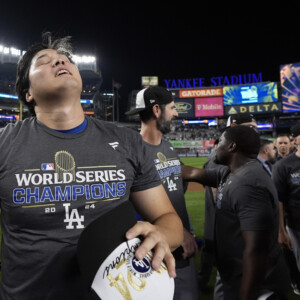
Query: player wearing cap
(245, 119)
(59, 171)
(156, 108)
(286, 176)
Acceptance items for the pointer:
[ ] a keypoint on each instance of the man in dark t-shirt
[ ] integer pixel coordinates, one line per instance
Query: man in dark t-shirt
(248, 255)
(286, 176)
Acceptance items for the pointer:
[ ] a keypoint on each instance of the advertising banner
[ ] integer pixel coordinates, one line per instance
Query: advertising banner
(187, 144)
(199, 93)
(209, 107)
(252, 93)
(290, 87)
(254, 108)
(185, 108)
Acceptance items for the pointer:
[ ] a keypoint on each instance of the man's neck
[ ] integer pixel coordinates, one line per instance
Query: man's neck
(60, 117)
(151, 134)
(238, 161)
(262, 157)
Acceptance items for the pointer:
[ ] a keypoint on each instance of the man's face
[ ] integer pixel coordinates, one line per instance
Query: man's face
(283, 145)
(297, 141)
(222, 153)
(52, 74)
(271, 153)
(164, 121)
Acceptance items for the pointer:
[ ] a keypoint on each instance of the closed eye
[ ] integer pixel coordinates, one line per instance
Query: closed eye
(43, 59)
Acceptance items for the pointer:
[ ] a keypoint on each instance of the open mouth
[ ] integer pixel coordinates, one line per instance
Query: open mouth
(62, 72)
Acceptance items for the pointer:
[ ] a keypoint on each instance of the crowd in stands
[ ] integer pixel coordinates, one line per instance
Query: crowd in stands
(194, 132)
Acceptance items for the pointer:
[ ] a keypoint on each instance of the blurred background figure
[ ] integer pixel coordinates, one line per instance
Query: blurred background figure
(283, 145)
(267, 154)
(286, 176)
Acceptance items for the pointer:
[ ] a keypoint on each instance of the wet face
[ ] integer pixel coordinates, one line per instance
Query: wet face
(52, 75)
(166, 117)
(283, 145)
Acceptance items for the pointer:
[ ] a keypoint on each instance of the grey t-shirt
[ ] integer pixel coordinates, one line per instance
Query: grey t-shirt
(168, 166)
(52, 185)
(246, 200)
(286, 176)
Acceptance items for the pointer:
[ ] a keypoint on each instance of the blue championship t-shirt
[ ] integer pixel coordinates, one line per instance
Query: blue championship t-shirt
(52, 185)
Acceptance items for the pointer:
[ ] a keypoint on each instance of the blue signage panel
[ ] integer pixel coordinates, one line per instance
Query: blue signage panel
(250, 94)
(185, 108)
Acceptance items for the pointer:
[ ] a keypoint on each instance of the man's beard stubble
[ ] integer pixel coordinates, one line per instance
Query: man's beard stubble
(163, 125)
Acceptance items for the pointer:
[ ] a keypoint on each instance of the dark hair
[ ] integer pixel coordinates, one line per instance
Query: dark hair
(246, 139)
(62, 45)
(283, 135)
(263, 143)
(147, 114)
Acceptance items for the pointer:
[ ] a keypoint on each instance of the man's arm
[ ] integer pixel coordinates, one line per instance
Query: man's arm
(194, 174)
(189, 245)
(283, 237)
(255, 256)
(163, 232)
(279, 178)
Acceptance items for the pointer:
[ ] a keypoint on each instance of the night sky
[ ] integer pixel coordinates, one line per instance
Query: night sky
(188, 39)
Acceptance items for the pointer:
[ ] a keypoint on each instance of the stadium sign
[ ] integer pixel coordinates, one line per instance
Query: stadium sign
(186, 144)
(185, 108)
(212, 92)
(261, 108)
(213, 81)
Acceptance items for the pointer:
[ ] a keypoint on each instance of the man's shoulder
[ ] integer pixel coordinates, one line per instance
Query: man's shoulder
(114, 128)
(287, 161)
(251, 173)
(14, 128)
(166, 142)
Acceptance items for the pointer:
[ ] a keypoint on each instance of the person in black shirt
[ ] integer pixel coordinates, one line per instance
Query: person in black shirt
(248, 255)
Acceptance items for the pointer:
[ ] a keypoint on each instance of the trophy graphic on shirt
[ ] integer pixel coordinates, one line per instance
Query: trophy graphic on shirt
(64, 163)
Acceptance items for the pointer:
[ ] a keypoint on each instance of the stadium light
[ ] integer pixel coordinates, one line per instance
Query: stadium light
(80, 59)
(86, 101)
(2, 95)
(84, 59)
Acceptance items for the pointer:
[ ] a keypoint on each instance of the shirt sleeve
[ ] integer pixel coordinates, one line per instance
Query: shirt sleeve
(254, 207)
(146, 176)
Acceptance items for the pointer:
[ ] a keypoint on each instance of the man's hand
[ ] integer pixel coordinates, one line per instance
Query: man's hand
(154, 240)
(284, 239)
(189, 245)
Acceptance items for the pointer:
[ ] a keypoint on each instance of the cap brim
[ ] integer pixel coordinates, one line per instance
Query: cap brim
(101, 237)
(134, 111)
